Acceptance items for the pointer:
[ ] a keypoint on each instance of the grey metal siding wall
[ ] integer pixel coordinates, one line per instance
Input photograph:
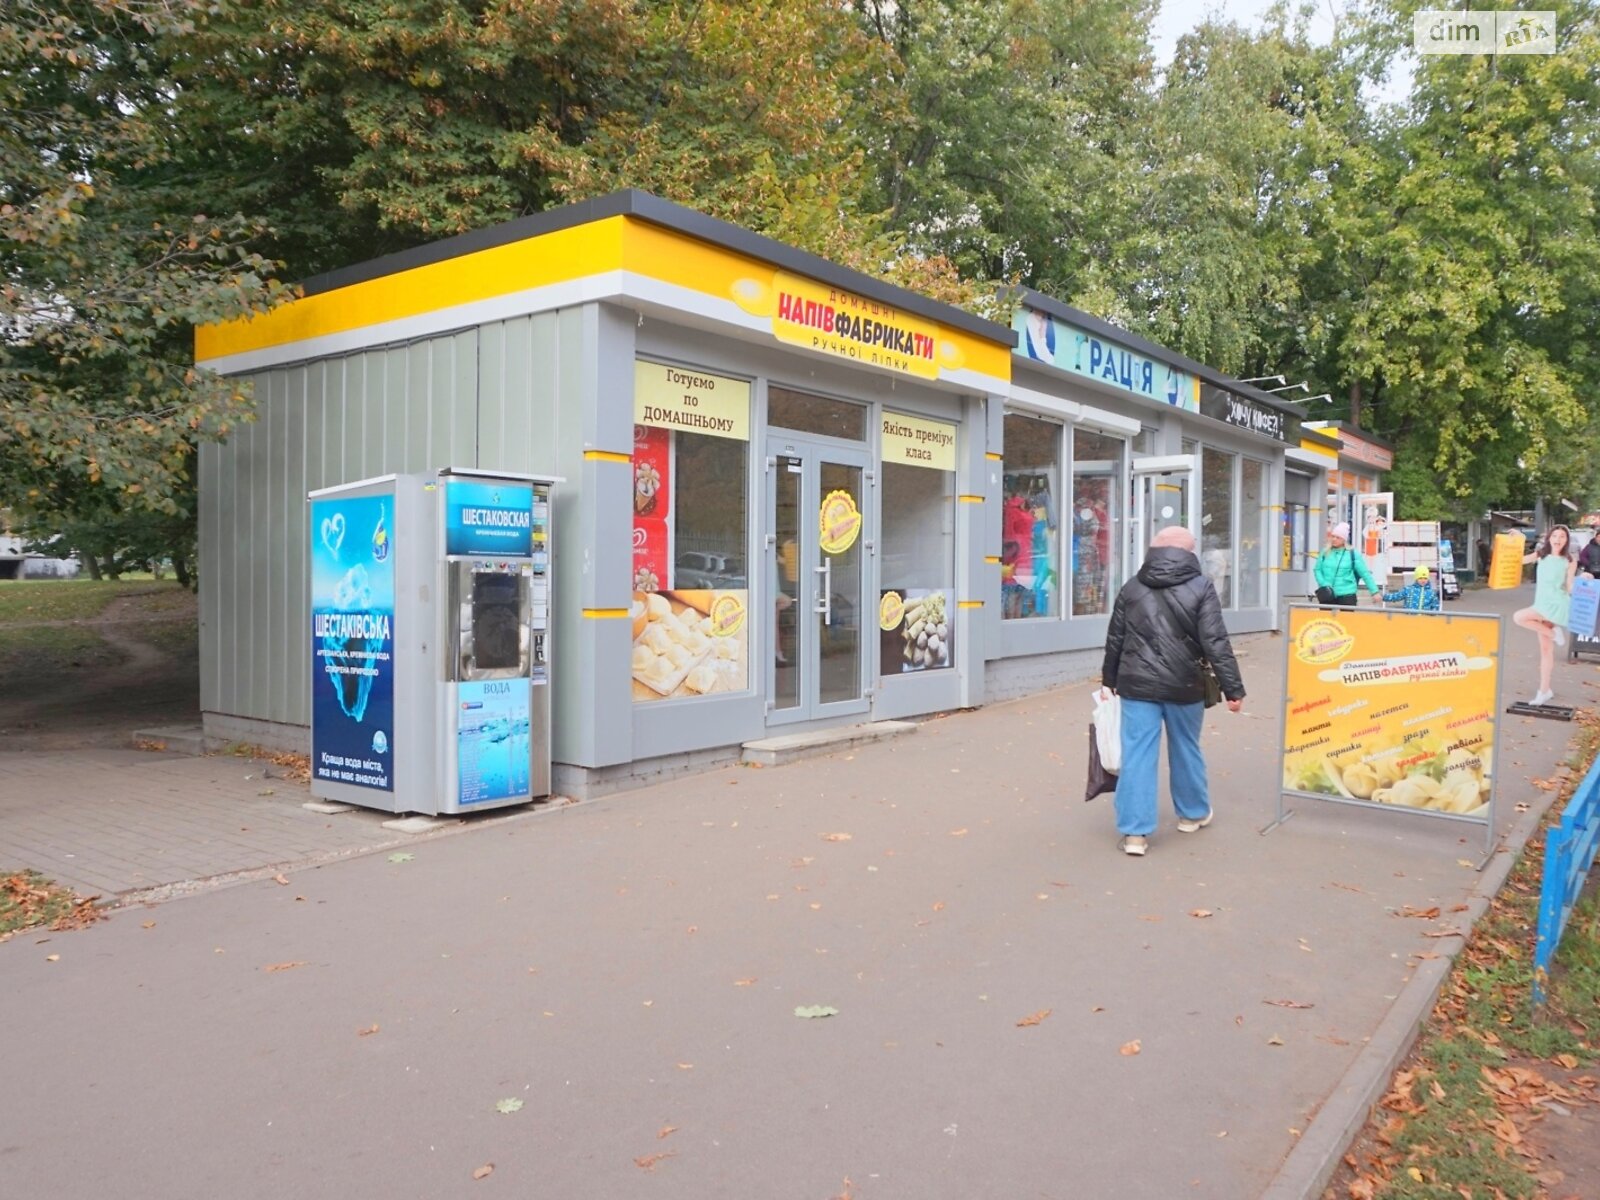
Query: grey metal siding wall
(539, 407)
(402, 408)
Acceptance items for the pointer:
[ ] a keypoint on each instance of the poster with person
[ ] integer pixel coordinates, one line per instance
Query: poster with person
(1374, 516)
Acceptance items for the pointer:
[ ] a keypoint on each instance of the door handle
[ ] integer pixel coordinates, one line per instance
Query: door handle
(824, 602)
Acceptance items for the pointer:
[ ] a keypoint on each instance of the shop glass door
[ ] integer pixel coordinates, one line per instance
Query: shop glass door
(816, 561)
(1163, 495)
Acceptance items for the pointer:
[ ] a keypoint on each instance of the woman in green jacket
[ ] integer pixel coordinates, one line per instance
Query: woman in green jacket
(1341, 570)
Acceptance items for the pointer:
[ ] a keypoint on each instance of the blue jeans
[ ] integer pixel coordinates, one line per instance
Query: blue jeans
(1141, 746)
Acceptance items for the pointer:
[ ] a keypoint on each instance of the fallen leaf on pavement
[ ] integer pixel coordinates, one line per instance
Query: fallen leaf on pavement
(1349, 887)
(1443, 933)
(1129, 1049)
(1199, 912)
(1274, 1040)
(958, 832)
(401, 857)
(367, 1032)
(811, 1011)
(1567, 1061)
(1035, 1018)
(484, 1171)
(743, 982)
(1426, 914)
(52, 958)
(281, 879)
(508, 1107)
(649, 1161)
(666, 1131)
(1457, 908)
(1465, 862)
(1288, 1004)
(284, 966)
(836, 837)
(148, 925)
(938, 906)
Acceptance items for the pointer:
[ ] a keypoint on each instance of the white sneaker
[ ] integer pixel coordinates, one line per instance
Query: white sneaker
(1540, 699)
(1190, 825)
(1134, 844)
(1560, 635)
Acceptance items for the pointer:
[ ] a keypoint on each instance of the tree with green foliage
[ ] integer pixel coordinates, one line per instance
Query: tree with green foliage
(1469, 341)
(105, 265)
(1011, 154)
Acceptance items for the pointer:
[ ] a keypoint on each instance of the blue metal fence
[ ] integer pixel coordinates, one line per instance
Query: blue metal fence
(1569, 851)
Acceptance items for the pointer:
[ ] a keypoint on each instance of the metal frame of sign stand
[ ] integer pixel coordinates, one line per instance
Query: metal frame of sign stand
(1487, 821)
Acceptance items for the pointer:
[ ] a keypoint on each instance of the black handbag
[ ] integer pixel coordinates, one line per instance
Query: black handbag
(1210, 685)
(1324, 595)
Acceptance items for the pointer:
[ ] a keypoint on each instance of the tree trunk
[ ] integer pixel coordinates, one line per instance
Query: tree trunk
(1355, 404)
(180, 568)
(90, 565)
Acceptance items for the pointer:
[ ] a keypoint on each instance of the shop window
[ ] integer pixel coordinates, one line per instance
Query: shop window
(691, 466)
(1296, 533)
(1096, 520)
(1030, 541)
(916, 607)
(1216, 521)
(805, 413)
(1252, 533)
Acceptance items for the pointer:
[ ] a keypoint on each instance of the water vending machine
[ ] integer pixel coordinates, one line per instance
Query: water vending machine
(430, 616)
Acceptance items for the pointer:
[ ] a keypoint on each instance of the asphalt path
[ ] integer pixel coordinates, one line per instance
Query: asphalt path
(628, 969)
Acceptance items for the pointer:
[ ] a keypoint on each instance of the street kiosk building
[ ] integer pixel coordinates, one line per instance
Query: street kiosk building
(793, 495)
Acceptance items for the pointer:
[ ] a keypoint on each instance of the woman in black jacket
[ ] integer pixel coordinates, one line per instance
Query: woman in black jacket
(1166, 619)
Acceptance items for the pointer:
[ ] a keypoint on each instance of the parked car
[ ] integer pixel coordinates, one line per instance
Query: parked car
(702, 569)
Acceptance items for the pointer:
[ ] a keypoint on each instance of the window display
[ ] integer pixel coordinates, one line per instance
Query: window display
(916, 618)
(1216, 521)
(1030, 542)
(1252, 533)
(691, 451)
(1096, 520)
(1296, 529)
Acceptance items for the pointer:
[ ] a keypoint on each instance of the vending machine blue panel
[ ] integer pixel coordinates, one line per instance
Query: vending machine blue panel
(493, 754)
(352, 640)
(488, 517)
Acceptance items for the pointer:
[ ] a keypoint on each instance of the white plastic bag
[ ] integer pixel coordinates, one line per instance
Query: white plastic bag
(1108, 728)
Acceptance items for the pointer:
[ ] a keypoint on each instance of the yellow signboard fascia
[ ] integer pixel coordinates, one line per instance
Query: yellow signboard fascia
(918, 442)
(1331, 453)
(687, 262)
(550, 258)
(690, 400)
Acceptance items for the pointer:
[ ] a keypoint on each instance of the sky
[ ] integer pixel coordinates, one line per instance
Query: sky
(1177, 17)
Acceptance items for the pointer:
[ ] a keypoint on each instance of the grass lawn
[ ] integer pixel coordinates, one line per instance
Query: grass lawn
(31, 639)
(24, 601)
(29, 900)
(1457, 1119)
(34, 649)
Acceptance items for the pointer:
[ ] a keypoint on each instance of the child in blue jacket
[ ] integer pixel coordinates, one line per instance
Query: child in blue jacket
(1419, 595)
